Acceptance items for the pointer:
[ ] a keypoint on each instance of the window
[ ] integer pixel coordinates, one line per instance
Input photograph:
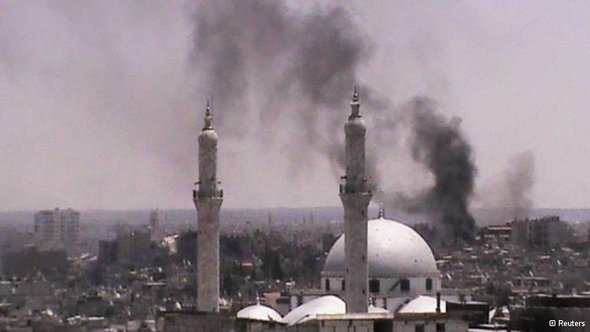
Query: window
(343, 284)
(440, 327)
(405, 285)
(374, 286)
(327, 282)
(419, 328)
(428, 284)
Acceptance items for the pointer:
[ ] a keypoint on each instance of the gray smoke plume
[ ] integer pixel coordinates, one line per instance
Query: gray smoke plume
(297, 66)
(510, 194)
(302, 67)
(519, 181)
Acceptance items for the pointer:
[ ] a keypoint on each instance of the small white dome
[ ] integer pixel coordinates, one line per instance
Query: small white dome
(261, 313)
(423, 304)
(328, 304)
(394, 251)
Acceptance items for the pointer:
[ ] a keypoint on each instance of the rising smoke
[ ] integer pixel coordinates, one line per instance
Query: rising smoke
(439, 145)
(519, 181)
(302, 67)
(510, 194)
(299, 67)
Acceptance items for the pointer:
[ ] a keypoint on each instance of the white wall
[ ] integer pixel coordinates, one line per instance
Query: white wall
(417, 287)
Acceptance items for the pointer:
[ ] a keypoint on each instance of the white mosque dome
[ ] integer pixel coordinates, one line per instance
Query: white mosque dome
(423, 304)
(259, 312)
(328, 304)
(394, 251)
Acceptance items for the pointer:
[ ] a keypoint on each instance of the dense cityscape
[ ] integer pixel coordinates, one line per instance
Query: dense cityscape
(125, 275)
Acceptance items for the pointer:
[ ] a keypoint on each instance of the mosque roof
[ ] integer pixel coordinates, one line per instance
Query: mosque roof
(394, 251)
(260, 312)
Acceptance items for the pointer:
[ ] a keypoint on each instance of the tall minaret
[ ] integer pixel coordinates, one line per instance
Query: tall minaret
(355, 197)
(208, 198)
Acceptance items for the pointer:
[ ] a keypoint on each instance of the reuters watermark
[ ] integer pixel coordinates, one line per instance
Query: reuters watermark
(566, 323)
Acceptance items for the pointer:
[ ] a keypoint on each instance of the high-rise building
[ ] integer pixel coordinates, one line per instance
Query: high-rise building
(57, 228)
(132, 249)
(208, 198)
(543, 232)
(156, 232)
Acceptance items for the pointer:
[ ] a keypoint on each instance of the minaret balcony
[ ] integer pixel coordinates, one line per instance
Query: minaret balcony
(353, 187)
(217, 193)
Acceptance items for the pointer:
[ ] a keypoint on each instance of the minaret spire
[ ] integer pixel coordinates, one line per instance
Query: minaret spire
(208, 116)
(355, 197)
(208, 198)
(381, 211)
(355, 105)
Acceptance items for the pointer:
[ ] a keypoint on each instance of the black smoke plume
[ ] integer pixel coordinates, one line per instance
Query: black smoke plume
(439, 145)
(302, 67)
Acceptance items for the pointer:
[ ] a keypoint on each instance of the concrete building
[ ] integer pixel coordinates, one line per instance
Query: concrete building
(190, 321)
(498, 234)
(543, 232)
(134, 249)
(208, 198)
(156, 232)
(107, 252)
(355, 197)
(186, 247)
(30, 261)
(57, 228)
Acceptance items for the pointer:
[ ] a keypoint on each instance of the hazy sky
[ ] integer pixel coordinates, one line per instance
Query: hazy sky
(99, 105)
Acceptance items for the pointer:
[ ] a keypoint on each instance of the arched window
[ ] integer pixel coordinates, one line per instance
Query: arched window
(405, 285)
(428, 284)
(327, 282)
(374, 286)
(343, 284)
